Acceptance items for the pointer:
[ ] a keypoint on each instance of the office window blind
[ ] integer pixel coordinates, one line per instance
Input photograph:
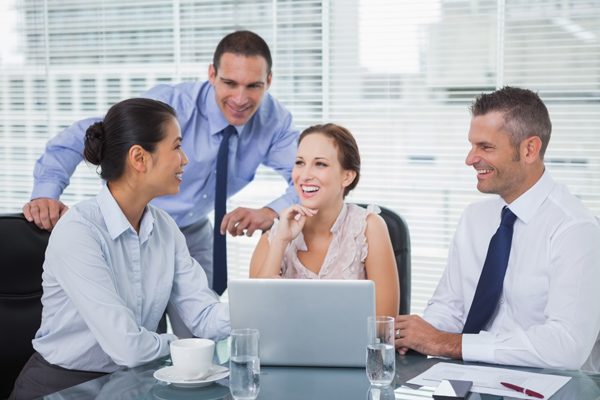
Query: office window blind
(399, 74)
(402, 78)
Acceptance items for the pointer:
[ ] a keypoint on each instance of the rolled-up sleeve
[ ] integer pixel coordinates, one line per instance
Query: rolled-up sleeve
(53, 170)
(281, 157)
(446, 309)
(197, 304)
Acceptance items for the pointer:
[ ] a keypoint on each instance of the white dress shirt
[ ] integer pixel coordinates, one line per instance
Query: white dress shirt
(548, 314)
(106, 288)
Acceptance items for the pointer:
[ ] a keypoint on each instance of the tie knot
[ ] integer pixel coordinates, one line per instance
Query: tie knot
(230, 130)
(508, 217)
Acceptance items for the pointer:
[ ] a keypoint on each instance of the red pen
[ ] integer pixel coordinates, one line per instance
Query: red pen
(522, 390)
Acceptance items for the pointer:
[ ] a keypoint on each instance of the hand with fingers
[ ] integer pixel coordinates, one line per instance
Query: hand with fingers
(291, 222)
(247, 220)
(44, 212)
(267, 258)
(413, 332)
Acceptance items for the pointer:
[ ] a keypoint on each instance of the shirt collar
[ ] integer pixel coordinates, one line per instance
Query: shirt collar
(115, 220)
(147, 225)
(526, 205)
(216, 119)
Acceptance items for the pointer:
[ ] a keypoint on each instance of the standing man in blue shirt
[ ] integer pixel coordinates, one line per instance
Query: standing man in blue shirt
(235, 95)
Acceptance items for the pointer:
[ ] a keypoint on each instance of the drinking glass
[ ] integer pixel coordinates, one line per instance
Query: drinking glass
(381, 392)
(381, 360)
(244, 364)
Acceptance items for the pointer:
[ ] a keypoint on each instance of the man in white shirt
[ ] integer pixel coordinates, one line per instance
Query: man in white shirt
(547, 312)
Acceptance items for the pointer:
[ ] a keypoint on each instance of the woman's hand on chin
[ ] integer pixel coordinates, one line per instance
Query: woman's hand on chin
(291, 222)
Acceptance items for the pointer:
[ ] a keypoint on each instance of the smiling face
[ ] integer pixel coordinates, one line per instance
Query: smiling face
(318, 176)
(495, 159)
(167, 162)
(240, 84)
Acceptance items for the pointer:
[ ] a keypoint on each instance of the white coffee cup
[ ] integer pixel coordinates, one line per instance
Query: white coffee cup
(192, 358)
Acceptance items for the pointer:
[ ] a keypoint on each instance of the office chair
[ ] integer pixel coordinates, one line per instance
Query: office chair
(22, 250)
(400, 236)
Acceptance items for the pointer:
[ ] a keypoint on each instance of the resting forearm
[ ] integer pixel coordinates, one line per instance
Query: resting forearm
(449, 345)
(272, 264)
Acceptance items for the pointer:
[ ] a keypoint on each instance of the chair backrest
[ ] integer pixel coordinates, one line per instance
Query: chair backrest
(400, 237)
(22, 249)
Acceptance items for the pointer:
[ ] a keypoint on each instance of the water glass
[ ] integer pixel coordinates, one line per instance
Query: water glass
(381, 358)
(381, 392)
(244, 364)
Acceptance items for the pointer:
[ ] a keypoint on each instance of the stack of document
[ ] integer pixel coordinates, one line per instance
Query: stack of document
(488, 380)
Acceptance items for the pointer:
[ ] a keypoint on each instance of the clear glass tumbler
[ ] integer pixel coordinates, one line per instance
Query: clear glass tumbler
(381, 357)
(381, 392)
(244, 364)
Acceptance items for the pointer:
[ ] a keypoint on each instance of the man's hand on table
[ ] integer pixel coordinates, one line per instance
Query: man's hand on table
(247, 219)
(44, 212)
(413, 332)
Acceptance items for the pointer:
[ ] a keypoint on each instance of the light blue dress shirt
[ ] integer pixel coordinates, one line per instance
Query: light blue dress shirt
(269, 137)
(106, 288)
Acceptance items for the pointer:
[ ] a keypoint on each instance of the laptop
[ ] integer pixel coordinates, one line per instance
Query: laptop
(303, 322)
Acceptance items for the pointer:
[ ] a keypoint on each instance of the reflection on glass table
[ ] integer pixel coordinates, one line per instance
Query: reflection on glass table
(300, 383)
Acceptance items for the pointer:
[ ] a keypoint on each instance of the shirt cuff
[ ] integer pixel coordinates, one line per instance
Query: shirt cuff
(478, 347)
(170, 338)
(46, 189)
(222, 324)
(225, 329)
(278, 205)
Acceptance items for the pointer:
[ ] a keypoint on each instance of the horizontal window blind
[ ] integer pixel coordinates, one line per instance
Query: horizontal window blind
(399, 74)
(403, 75)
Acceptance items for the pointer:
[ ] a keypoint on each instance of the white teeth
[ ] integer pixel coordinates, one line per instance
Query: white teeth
(178, 176)
(310, 188)
(484, 171)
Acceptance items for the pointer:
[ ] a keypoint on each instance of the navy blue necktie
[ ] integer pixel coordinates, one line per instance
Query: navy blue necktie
(490, 282)
(219, 244)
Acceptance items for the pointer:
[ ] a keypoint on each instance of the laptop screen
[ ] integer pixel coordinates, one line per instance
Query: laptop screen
(305, 322)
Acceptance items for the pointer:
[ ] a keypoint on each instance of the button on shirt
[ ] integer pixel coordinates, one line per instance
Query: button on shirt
(106, 288)
(549, 310)
(268, 138)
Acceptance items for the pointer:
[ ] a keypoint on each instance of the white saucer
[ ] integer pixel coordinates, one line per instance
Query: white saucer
(170, 375)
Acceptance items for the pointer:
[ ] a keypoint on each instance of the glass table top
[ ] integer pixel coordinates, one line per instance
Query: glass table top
(302, 383)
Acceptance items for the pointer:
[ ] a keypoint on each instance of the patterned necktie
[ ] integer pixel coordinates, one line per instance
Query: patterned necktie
(219, 244)
(490, 282)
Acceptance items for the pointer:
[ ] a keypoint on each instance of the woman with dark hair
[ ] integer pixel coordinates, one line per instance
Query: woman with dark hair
(325, 238)
(114, 262)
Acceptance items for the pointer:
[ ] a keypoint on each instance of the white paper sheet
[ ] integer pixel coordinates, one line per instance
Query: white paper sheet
(487, 379)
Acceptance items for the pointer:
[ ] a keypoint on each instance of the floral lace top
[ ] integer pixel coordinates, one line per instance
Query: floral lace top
(346, 255)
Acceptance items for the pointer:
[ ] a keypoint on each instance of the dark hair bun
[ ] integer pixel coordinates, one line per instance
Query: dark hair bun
(94, 138)
(132, 122)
